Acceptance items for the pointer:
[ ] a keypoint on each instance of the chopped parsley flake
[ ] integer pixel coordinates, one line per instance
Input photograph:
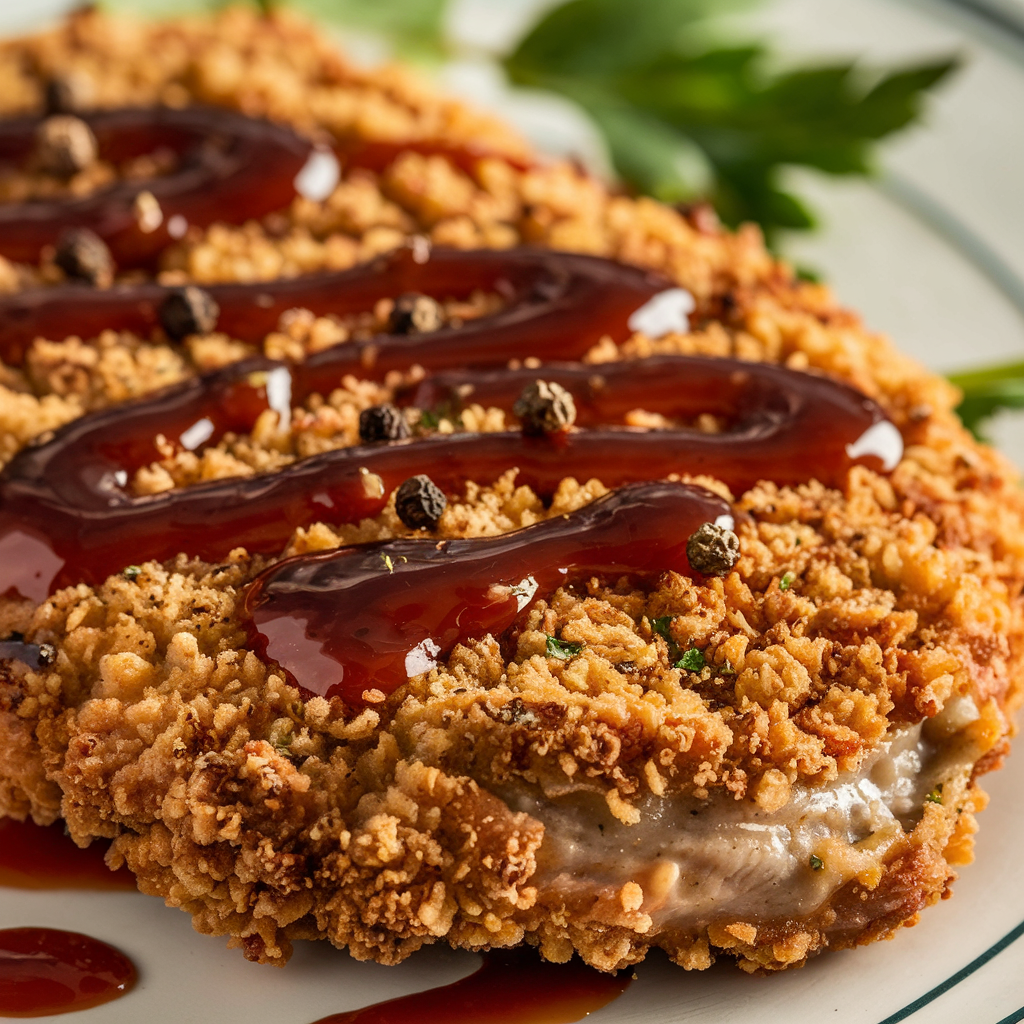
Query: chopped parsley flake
(131, 573)
(727, 670)
(816, 863)
(429, 420)
(692, 660)
(787, 581)
(562, 649)
(662, 626)
(935, 796)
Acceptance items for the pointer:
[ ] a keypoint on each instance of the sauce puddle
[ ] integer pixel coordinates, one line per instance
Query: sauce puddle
(44, 971)
(43, 857)
(510, 988)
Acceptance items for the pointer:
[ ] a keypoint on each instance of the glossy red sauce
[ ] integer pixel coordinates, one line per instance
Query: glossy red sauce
(510, 988)
(45, 971)
(66, 516)
(370, 616)
(560, 305)
(230, 167)
(44, 857)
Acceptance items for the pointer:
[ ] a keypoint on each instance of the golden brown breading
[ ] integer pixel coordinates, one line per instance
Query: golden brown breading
(270, 819)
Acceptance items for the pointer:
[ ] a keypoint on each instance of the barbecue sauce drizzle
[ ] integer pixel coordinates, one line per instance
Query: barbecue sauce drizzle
(230, 168)
(44, 857)
(66, 516)
(406, 603)
(45, 970)
(509, 988)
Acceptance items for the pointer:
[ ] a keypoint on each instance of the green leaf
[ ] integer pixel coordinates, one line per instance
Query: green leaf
(815, 862)
(602, 37)
(787, 581)
(562, 649)
(652, 155)
(688, 111)
(896, 100)
(692, 660)
(986, 391)
(415, 27)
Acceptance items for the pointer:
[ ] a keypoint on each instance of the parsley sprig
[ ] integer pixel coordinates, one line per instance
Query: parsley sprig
(690, 112)
(986, 391)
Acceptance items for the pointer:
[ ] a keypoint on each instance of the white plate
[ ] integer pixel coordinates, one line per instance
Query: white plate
(933, 253)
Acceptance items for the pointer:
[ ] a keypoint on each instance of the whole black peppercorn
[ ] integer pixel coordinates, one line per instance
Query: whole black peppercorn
(83, 255)
(65, 145)
(713, 550)
(415, 314)
(419, 503)
(65, 94)
(545, 408)
(188, 311)
(382, 423)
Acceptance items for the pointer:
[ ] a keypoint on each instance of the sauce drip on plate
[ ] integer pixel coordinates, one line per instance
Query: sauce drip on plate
(45, 971)
(510, 988)
(43, 857)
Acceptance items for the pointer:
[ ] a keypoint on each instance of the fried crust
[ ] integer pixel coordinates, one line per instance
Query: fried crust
(270, 819)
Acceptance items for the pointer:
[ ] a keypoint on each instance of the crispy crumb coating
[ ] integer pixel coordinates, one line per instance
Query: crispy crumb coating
(270, 819)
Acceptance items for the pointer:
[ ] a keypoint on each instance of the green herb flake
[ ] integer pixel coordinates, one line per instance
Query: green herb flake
(692, 660)
(816, 863)
(727, 670)
(562, 649)
(935, 796)
(787, 581)
(429, 420)
(662, 626)
(131, 573)
(388, 564)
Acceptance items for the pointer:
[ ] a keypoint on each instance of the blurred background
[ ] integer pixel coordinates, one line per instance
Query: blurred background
(878, 142)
